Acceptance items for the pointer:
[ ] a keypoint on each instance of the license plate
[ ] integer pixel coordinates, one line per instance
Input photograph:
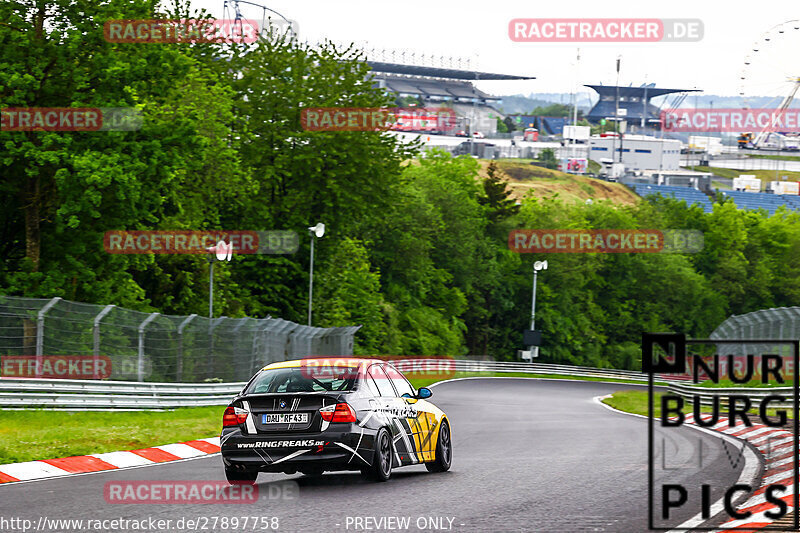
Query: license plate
(285, 418)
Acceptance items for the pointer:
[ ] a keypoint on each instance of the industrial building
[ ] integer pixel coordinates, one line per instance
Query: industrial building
(639, 152)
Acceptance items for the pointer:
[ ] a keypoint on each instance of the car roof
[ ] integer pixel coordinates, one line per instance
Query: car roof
(343, 361)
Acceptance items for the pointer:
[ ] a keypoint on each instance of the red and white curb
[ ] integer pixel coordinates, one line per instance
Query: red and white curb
(776, 448)
(100, 462)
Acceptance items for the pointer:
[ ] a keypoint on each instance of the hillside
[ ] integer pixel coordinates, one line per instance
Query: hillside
(524, 178)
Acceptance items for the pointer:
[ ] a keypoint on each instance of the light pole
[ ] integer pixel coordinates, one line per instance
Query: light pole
(210, 286)
(473, 119)
(575, 106)
(616, 115)
(314, 231)
(537, 266)
(223, 252)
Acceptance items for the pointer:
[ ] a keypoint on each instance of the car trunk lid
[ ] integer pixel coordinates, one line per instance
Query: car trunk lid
(287, 413)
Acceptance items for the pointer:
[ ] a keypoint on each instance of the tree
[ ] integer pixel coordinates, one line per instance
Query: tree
(501, 126)
(555, 110)
(63, 190)
(547, 158)
(349, 294)
(344, 179)
(497, 197)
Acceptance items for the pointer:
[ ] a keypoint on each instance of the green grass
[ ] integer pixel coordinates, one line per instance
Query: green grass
(765, 175)
(524, 179)
(28, 435)
(424, 382)
(717, 171)
(726, 383)
(778, 157)
(635, 401)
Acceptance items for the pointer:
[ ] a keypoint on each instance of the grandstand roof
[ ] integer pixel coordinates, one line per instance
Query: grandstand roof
(436, 72)
(635, 101)
(650, 90)
(428, 88)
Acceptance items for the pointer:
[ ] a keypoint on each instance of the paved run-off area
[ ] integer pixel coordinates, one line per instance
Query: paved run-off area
(529, 455)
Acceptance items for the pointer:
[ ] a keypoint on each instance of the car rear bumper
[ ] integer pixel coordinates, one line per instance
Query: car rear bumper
(290, 452)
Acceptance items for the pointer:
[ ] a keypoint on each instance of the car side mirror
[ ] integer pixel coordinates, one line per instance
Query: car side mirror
(424, 392)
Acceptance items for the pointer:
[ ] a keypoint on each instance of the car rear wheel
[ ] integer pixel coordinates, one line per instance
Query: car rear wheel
(381, 469)
(444, 451)
(240, 477)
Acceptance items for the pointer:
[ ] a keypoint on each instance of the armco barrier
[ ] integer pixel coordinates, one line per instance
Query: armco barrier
(93, 394)
(756, 394)
(466, 365)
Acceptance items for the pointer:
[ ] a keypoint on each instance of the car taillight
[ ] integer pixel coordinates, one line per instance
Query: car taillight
(234, 416)
(341, 412)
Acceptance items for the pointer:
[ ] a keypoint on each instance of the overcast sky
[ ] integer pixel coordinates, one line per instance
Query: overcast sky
(470, 28)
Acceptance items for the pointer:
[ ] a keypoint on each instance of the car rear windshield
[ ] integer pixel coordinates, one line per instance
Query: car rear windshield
(296, 379)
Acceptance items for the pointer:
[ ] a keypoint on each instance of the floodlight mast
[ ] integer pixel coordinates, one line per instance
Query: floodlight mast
(222, 252)
(316, 232)
(537, 266)
(616, 118)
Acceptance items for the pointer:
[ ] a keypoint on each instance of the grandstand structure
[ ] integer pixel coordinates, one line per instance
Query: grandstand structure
(760, 200)
(634, 105)
(689, 194)
(440, 86)
(545, 125)
(742, 199)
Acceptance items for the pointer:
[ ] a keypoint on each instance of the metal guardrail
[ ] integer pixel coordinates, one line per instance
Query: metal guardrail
(707, 395)
(90, 394)
(94, 394)
(463, 365)
(104, 401)
(89, 386)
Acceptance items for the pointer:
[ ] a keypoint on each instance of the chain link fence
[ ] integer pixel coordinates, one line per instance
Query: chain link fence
(776, 323)
(134, 346)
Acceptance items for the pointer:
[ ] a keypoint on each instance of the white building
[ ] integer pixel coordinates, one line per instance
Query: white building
(639, 152)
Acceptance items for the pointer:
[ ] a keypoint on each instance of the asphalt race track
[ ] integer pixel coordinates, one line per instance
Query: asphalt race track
(529, 455)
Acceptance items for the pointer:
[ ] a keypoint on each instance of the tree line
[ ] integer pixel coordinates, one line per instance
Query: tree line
(416, 248)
